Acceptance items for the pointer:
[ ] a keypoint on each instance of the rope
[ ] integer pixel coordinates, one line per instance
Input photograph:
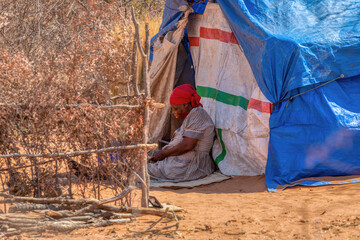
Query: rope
(292, 97)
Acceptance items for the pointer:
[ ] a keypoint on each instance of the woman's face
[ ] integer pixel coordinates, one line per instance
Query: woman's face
(180, 111)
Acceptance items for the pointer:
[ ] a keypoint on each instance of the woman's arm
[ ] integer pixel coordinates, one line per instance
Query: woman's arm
(186, 145)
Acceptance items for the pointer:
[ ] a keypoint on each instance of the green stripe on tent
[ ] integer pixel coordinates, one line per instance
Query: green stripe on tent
(223, 153)
(223, 97)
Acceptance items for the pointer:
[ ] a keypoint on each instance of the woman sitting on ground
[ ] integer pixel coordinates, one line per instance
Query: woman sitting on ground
(187, 157)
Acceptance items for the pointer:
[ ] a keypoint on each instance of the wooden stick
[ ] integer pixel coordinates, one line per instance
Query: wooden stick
(74, 105)
(124, 106)
(23, 230)
(77, 153)
(104, 201)
(24, 207)
(13, 199)
(18, 225)
(134, 65)
(64, 226)
(122, 96)
(3, 186)
(21, 216)
(146, 176)
(138, 39)
(18, 220)
(144, 55)
(138, 211)
(79, 218)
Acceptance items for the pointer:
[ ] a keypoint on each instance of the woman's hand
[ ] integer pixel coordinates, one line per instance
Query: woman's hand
(186, 145)
(159, 155)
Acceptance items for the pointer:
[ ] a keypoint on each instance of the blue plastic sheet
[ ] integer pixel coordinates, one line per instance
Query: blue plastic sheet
(172, 14)
(316, 134)
(291, 44)
(294, 47)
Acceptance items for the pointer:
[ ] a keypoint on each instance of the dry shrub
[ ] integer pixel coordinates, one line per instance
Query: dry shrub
(59, 60)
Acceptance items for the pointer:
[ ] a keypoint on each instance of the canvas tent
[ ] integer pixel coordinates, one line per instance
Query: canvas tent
(280, 80)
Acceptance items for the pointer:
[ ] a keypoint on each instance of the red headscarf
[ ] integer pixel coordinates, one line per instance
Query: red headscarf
(184, 94)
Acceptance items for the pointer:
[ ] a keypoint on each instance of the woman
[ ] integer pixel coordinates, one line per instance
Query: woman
(187, 155)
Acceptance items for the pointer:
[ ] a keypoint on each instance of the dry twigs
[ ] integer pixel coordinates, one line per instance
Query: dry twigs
(59, 204)
(14, 224)
(89, 213)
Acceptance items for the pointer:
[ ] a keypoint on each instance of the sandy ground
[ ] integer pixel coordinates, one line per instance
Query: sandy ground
(241, 208)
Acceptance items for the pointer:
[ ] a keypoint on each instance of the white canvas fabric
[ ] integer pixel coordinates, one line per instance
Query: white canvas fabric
(229, 94)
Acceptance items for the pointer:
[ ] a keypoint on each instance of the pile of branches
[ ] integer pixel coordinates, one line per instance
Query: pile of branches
(38, 215)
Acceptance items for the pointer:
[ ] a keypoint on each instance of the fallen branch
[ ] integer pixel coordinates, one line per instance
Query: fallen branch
(15, 199)
(138, 211)
(24, 207)
(18, 220)
(82, 202)
(66, 221)
(104, 201)
(64, 226)
(79, 218)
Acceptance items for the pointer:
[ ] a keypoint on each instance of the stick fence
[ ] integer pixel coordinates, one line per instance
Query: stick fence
(145, 103)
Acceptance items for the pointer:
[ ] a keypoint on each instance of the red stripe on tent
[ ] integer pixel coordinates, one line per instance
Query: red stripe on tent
(217, 34)
(194, 41)
(264, 107)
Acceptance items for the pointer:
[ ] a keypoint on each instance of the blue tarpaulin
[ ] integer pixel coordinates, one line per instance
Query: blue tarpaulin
(305, 56)
(172, 15)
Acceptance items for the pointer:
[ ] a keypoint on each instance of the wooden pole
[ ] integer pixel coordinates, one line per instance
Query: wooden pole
(146, 177)
(134, 66)
(144, 51)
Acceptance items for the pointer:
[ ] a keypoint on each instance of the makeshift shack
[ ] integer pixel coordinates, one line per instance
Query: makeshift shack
(281, 81)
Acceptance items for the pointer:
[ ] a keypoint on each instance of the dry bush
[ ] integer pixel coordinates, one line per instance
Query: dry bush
(59, 60)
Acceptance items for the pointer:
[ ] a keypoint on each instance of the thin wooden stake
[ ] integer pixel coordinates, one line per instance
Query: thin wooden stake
(134, 66)
(146, 176)
(145, 58)
(3, 185)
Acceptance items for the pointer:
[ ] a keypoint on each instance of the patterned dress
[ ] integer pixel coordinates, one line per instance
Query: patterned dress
(194, 164)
